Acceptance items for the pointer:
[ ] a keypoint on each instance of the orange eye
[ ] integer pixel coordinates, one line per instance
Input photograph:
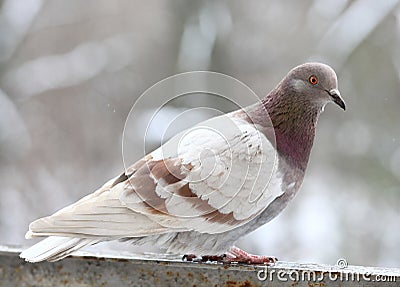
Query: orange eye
(313, 80)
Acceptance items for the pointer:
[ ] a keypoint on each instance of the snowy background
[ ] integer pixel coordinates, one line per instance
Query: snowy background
(71, 70)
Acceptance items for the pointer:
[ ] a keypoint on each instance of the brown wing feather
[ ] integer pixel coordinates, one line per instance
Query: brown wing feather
(178, 205)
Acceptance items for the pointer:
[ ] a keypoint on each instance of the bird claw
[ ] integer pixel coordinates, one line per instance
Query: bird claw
(253, 260)
(241, 256)
(235, 255)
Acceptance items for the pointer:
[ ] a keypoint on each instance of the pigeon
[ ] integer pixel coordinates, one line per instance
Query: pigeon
(207, 186)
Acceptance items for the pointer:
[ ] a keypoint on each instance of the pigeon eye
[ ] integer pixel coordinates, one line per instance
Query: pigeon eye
(313, 80)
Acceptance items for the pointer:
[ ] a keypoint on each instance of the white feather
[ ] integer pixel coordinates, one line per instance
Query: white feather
(237, 171)
(55, 245)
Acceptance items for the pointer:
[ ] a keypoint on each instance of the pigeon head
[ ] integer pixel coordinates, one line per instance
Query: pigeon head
(294, 106)
(314, 84)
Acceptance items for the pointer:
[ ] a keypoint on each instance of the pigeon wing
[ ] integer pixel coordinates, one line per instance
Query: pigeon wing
(212, 178)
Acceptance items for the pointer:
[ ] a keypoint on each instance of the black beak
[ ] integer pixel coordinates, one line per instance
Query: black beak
(337, 98)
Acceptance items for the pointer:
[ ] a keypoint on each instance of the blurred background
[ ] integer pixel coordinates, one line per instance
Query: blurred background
(71, 70)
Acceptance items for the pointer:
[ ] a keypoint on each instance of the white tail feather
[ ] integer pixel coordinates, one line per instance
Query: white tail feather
(55, 248)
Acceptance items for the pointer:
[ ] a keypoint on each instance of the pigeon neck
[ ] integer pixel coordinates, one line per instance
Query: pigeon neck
(294, 125)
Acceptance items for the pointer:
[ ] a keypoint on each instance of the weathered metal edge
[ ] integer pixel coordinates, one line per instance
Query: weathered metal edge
(86, 269)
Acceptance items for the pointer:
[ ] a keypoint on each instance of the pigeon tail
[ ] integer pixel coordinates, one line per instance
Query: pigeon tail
(55, 248)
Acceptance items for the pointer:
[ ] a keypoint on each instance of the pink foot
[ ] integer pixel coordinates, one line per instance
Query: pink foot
(235, 255)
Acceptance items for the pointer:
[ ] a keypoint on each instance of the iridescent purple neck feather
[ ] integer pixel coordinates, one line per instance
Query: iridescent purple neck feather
(294, 122)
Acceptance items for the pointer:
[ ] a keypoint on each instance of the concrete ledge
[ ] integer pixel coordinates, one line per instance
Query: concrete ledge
(162, 270)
